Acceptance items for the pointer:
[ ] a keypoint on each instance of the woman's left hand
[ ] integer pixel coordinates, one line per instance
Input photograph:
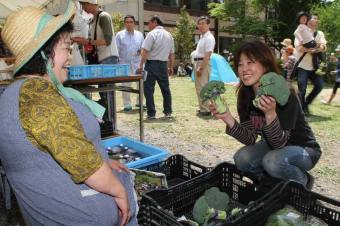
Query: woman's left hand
(116, 165)
(267, 104)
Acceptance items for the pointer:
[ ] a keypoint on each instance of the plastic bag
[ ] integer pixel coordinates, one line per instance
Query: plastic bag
(76, 56)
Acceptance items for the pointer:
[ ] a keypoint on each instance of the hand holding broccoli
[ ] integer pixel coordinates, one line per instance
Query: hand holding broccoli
(272, 84)
(212, 92)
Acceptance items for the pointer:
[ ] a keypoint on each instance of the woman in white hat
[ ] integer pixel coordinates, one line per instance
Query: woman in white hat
(49, 135)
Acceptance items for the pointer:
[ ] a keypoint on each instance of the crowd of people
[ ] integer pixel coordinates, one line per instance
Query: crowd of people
(60, 172)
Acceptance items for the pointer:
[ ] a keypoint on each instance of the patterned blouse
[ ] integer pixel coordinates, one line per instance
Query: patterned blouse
(53, 127)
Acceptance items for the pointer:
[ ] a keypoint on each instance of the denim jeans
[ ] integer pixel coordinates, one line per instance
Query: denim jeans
(317, 81)
(157, 71)
(107, 96)
(287, 163)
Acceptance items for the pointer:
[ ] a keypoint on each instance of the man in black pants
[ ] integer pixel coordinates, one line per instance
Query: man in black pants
(158, 56)
(306, 68)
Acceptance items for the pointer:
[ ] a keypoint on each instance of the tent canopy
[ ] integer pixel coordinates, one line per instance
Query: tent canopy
(220, 70)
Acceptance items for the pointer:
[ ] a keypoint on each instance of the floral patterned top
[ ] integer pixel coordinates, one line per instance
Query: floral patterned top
(53, 127)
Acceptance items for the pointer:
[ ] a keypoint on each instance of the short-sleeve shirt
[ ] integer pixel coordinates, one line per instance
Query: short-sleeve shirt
(205, 44)
(303, 34)
(53, 127)
(159, 43)
(307, 62)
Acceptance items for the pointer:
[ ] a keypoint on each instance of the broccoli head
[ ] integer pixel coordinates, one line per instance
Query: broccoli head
(202, 213)
(217, 199)
(212, 91)
(274, 85)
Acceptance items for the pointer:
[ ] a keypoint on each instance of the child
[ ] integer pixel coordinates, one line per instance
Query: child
(289, 64)
(303, 33)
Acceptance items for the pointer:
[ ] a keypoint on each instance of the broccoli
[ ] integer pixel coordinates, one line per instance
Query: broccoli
(235, 211)
(274, 85)
(202, 213)
(286, 217)
(212, 91)
(217, 199)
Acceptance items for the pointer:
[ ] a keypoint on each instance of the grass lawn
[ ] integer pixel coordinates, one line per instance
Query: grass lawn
(325, 122)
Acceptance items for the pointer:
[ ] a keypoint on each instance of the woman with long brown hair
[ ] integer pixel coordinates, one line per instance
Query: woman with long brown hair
(287, 148)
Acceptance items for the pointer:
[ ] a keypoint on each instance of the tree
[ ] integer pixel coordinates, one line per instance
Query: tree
(278, 23)
(117, 21)
(329, 22)
(183, 35)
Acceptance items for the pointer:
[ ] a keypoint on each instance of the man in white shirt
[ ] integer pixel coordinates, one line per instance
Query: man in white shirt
(158, 54)
(102, 38)
(202, 67)
(306, 69)
(129, 43)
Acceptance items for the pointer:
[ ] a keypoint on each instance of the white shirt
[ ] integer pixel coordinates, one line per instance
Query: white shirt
(303, 34)
(205, 44)
(307, 63)
(159, 43)
(129, 46)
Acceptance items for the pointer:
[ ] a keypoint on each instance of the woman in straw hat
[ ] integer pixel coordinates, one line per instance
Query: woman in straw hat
(49, 135)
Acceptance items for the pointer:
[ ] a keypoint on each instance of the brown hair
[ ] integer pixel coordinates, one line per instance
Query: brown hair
(260, 52)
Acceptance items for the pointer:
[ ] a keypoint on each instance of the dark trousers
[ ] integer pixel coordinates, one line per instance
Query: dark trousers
(317, 81)
(157, 71)
(105, 96)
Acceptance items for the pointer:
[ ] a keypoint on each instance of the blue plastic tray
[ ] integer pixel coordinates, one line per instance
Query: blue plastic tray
(98, 71)
(150, 154)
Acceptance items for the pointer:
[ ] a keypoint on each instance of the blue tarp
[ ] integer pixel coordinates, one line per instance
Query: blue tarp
(220, 70)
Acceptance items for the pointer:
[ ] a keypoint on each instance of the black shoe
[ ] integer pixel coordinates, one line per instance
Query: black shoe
(310, 181)
(149, 117)
(200, 114)
(138, 106)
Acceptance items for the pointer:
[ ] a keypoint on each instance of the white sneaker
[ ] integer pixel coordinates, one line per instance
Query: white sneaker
(324, 102)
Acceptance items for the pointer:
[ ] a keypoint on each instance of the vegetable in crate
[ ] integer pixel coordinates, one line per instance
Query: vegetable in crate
(286, 217)
(212, 91)
(202, 212)
(274, 85)
(217, 199)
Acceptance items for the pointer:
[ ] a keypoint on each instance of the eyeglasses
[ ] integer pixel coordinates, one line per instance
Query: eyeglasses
(129, 22)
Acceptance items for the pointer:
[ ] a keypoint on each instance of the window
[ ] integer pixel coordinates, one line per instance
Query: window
(169, 3)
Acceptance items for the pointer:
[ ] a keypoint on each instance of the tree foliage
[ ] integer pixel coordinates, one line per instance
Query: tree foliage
(117, 21)
(185, 27)
(279, 21)
(329, 22)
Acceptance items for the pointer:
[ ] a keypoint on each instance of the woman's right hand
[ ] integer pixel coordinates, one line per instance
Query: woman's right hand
(225, 117)
(122, 202)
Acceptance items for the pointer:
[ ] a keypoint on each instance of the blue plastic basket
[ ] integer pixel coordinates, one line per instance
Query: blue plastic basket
(98, 71)
(150, 154)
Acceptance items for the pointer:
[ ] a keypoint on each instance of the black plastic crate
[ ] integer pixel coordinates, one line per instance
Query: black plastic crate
(178, 169)
(163, 206)
(305, 201)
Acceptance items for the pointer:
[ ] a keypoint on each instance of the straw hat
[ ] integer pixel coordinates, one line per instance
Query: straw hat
(286, 42)
(29, 28)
